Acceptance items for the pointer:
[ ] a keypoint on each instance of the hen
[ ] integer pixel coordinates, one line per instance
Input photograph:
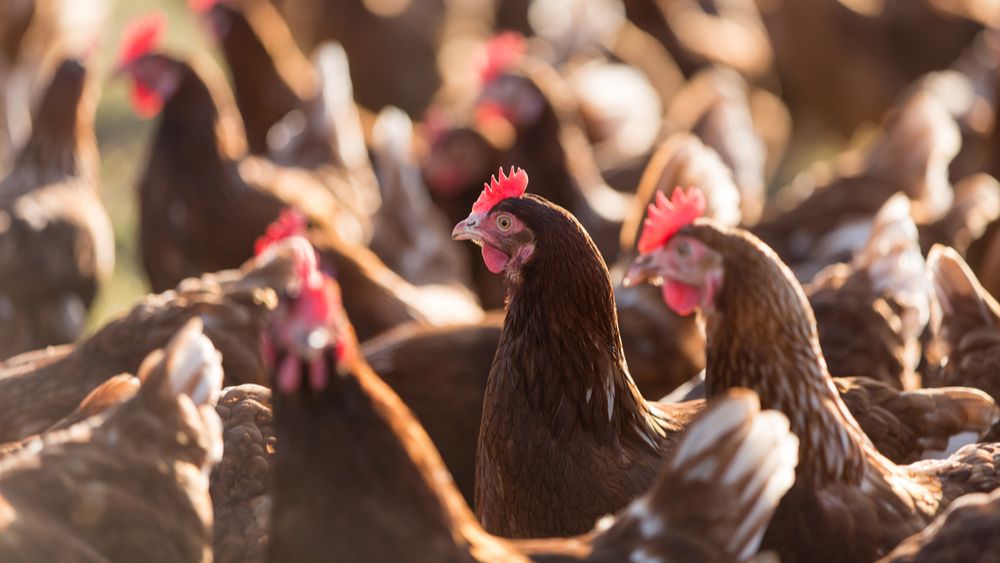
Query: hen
(963, 532)
(836, 208)
(131, 484)
(565, 437)
(871, 313)
(56, 242)
(398, 502)
(967, 330)
(849, 502)
(191, 175)
(233, 305)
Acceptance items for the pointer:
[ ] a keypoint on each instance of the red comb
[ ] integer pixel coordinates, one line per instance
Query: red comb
(502, 51)
(290, 223)
(141, 37)
(667, 216)
(202, 6)
(500, 189)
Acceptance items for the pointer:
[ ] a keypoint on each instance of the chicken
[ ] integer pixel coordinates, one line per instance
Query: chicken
(834, 218)
(129, 484)
(441, 374)
(271, 77)
(293, 113)
(963, 532)
(233, 305)
(525, 100)
(241, 482)
(565, 437)
(401, 504)
(411, 234)
(966, 329)
(849, 502)
(871, 313)
(191, 174)
(56, 245)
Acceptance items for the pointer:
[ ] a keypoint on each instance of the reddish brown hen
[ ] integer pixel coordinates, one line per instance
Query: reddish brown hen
(565, 437)
(849, 502)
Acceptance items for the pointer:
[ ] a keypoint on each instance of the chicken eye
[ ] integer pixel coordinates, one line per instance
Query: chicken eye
(504, 222)
(683, 249)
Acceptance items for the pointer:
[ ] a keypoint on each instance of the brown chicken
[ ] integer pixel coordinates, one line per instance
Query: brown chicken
(849, 502)
(871, 313)
(963, 532)
(967, 330)
(130, 484)
(565, 437)
(975, 209)
(401, 504)
(191, 174)
(56, 245)
(835, 212)
(233, 305)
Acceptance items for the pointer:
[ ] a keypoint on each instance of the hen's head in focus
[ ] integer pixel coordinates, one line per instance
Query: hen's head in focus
(508, 243)
(689, 271)
(308, 338)
(155, 77)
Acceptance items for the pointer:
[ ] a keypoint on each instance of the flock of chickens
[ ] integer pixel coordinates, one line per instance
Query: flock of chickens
(642, 352)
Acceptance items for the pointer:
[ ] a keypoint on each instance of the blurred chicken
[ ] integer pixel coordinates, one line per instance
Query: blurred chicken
(967, 327)
(973, 212)
(835, 208)
(192, 172)
(871, 313)
(56, 242)
(411, 234)
(130, 484)
(295, 113)
(232, 304)
(963, 532)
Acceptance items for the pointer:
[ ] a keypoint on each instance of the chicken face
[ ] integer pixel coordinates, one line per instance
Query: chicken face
(506, 242)
(305, 338)
(457, 160)
(155, 79)
(689, 272)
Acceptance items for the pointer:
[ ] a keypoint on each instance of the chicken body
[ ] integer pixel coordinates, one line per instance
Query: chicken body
(130, 484)
(56, 245)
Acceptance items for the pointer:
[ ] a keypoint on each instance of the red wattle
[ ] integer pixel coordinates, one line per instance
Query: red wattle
(145, 101)
(495, 260)
(682, 298)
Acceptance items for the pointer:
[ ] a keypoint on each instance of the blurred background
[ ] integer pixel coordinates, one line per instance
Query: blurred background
(838, 66)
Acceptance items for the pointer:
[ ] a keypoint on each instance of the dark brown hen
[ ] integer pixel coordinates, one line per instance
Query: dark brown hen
(193, 173)
(57, 245)
(565, 437)
(129, 484)
(337, 421)
(849, 502)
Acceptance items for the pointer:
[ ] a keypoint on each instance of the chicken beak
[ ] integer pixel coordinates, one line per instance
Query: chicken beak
(467, 230)
(642, 269)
